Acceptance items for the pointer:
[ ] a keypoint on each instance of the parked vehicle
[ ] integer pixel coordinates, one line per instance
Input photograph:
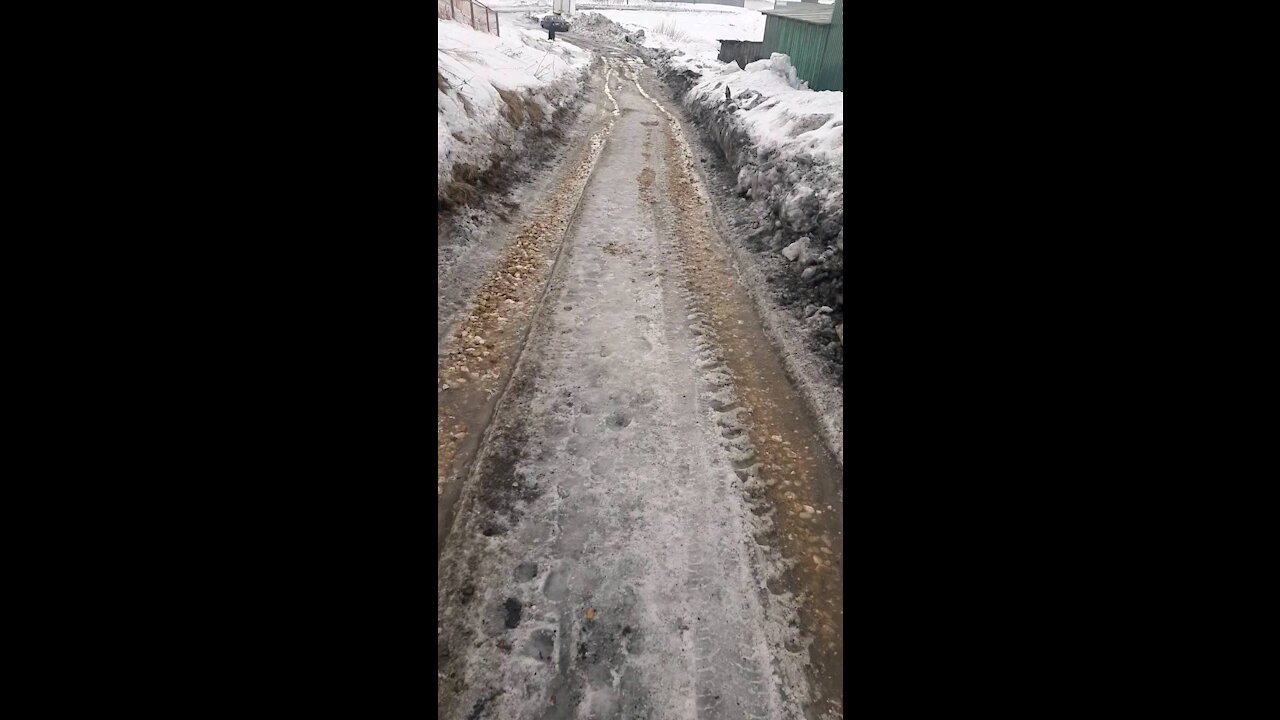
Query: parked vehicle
(555, 23)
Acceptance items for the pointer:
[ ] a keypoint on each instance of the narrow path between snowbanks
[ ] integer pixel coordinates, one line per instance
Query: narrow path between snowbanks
(644, 530)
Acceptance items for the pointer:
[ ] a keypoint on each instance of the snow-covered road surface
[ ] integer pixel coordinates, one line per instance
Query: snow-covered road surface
(648, 524)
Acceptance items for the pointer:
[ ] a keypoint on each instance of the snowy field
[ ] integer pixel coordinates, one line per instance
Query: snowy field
(693, 29)
(589, 4)
(475, 70)
(676, 7)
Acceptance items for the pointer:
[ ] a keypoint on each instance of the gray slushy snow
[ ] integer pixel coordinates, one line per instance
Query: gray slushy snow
(792, 251)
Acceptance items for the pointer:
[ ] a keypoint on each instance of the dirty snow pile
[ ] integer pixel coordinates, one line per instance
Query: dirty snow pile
(596, 25)
(493, 92)
(786, 143)
(777, 109)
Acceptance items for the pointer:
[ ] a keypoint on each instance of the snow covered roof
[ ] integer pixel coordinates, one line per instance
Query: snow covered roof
(805, 12)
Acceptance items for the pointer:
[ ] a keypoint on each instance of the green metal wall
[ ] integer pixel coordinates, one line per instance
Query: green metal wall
(804, 42)
(831, 74)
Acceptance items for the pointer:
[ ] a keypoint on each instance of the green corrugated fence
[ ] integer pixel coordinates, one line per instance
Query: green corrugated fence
(814, 43)
(831, 75)
(804, 42)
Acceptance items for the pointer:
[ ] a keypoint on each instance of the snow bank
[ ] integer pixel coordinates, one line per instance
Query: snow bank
(786, 144)
(493, 91)
(777, 109)
(596, 25)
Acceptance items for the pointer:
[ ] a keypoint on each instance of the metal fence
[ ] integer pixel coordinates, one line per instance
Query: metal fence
(478, 15)
(831, 74)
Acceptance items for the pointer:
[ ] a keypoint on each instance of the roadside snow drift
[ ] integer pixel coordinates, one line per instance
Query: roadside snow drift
(491, 92)
(786, 144)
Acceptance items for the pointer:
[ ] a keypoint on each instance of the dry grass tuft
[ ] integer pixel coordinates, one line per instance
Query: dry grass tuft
(671, 29)
(514, 110)
(461, 190)
(534, 111)
(518, 109)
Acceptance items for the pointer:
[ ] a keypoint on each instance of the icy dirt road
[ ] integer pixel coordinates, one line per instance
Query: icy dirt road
(642, 520)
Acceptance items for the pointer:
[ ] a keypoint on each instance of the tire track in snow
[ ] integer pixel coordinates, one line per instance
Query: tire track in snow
(609, 71)
(775, 452)
(502, 338)
(638, 600)
(629, 541)
(733, 649)
(611, 639)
